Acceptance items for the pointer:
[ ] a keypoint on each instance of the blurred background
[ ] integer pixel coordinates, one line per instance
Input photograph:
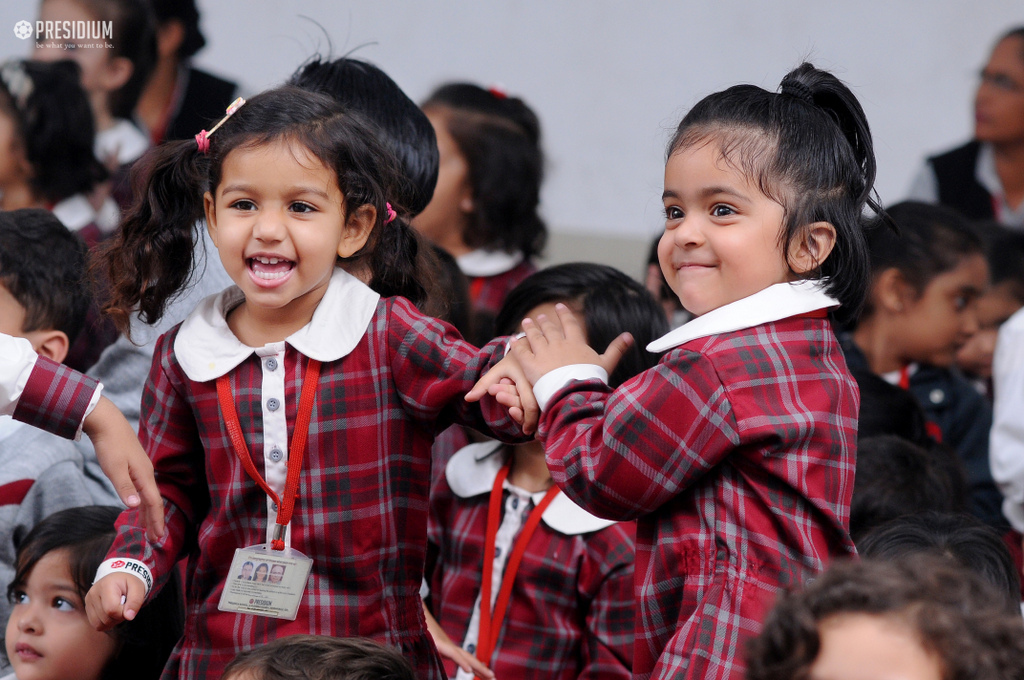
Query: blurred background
(610, 80)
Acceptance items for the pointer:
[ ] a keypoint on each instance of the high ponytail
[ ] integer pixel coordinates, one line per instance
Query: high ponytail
(150, 257)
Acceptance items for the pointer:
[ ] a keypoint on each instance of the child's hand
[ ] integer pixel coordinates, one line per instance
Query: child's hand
(126, 464)
(553, 343)
(450, 650)
(114, 598)
(509, 387)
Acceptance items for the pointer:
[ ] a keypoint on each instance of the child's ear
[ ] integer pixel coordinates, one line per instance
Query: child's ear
(211, 216)
(52, 344)
(358, 226)
(811, 247)
(892, 292)
(116, 73)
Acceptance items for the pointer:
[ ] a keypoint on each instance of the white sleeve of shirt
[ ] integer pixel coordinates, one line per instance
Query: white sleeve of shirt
(1006, 444)
(552, 381)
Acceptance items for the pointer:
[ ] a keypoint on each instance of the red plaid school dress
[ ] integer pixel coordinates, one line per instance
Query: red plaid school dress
(570, 614)
(390, 380)
(736, 454)
(492, 276)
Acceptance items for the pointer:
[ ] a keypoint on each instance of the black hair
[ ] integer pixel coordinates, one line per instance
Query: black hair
(807, 148)
(895, 478)
(1016, 32)
(609, 301)
(954, 614)
(150, 258)
(1004, 249)
(134, 38)
(962, 538)
(500, 138)
(86, 534)
(43, 266)
(315, 657)
(184, 11)
(54, 122)
(361, 86)
(932, 239)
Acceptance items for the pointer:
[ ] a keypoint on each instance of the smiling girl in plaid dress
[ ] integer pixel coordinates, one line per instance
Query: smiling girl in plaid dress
(294, 186)
(736, 453)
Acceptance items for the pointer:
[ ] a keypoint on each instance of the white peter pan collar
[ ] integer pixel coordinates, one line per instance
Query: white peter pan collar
(488, 262)
(473, 468)
(207, 349)
(779, 301)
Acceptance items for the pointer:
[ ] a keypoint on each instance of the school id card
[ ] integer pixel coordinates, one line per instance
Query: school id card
(266, 582)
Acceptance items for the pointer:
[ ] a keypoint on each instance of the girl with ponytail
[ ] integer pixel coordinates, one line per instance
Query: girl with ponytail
(294, 412)
(735, 454)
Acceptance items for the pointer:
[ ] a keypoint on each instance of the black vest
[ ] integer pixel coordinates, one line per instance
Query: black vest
(958, 188)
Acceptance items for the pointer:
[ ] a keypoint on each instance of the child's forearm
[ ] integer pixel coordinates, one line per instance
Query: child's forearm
(41, 392)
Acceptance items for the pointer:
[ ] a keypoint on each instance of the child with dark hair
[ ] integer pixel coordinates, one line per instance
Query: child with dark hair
(896, 478)
(925, 283)
(319, 377)
(48, 633)
(178, 99)
(316, 657)
(112, 77)
(735, 454)
(566, 609)
(484, 210)
(921, 617)
(959, 537)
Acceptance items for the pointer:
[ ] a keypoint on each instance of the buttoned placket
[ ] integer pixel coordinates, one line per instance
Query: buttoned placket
(275, 429)
(518, 504)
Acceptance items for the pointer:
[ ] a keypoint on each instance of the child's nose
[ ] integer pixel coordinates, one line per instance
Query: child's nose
(28, 620)
(688, 233)
(268, 227)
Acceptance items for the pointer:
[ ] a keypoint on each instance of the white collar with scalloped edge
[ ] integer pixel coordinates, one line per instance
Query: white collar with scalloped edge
(487, 262)
(779, 301)
(473, 468)
(207, 349)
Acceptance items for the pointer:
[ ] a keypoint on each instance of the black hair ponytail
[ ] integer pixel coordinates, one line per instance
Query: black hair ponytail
(150, 257)
(401, 263)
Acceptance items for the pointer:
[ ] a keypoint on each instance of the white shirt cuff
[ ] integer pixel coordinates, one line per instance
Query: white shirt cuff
(552, 381)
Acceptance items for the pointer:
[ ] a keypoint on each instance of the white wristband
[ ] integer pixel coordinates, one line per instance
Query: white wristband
(128, 566)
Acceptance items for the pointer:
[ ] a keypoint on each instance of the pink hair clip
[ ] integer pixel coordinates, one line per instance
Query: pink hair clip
(391, 214)
(203, 137)
(498, 91)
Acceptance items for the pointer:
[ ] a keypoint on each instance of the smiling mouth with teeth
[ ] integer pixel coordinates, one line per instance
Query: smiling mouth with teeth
(270, 268)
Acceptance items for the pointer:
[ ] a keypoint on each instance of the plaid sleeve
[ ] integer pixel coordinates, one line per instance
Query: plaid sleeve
(55, 398)
(606, 582)
(622, 454)
(433, 368)
(169, 433)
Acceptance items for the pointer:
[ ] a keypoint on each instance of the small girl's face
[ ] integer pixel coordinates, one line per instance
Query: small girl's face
(871, 647)
(279, 222)
(48, 634)
(934, 325)
(444, 219)
(14, 167)
(722, 234)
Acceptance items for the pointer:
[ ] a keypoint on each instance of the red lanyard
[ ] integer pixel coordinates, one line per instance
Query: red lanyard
(490, 626)
(298, 447)
(905, 377)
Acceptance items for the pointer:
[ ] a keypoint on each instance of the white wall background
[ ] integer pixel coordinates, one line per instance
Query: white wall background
(610, 79)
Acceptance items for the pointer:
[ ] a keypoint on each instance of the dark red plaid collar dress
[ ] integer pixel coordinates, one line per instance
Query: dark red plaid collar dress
(736, 456)
(391, 379)
(570, 614)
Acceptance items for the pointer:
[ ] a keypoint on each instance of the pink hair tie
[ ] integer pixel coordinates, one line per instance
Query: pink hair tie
(391, 214)
(203, 138)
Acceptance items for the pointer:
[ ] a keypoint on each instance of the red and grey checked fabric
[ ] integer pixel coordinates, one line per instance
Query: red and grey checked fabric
(55, 398)
(489, 292)
(361, 513)
(570, 614)
(737, 455)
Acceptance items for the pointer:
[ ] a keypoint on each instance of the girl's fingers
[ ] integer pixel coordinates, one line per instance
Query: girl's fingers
(571, 327)
(616, 350)
(534, 336)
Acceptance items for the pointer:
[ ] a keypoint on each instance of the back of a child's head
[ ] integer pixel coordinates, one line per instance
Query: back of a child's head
(809, 149)
(608, 301)
(151, 257)
(133, 36)
(185, 13)
(43, 267)
(54, 124)
(956, 617)
(314, 657)
(362, 87)
(929, 240)
(84, 535)
(1004, 249)
(896, 478)
(962, 538)
(499, 136)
